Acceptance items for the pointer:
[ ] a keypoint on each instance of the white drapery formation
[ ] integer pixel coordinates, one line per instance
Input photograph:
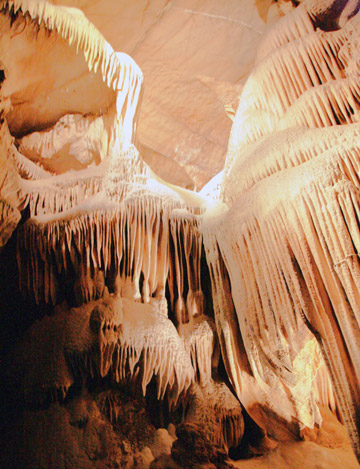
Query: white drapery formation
(115, 123)
(287, 226)
(114, 226)
(282, 242)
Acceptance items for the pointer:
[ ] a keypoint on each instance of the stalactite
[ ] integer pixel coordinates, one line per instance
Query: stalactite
(298, 254)
(110, 406)
(119, 240)
(296, 24)
(324, 392)
(27, 169)
(331, 104)
(283, 76)
(59, 194)
(199, 341)
(290, 148)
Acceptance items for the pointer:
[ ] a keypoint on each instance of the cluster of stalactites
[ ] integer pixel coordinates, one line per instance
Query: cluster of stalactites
(297, 24)
(136, 248)
(308, 80)
(144, 346)
(48, 193)
(133, 248)
(28, 169)
(290, 240)
(72, 25)
(118, 70)
(289, 149)
(308, 17)
(112, 337)
(98, 135)
(91, 232)
(122, 173)
(265, 341)
(58, 195)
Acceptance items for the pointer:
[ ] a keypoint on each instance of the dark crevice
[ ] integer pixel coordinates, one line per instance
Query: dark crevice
(252, 438)
(328, 19)
(2, 77)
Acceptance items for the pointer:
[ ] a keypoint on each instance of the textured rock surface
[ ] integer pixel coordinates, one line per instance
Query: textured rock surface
(130, 305)
(195, 56)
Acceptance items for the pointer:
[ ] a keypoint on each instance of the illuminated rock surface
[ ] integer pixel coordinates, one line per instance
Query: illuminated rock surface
(195, 57)
(147, 325)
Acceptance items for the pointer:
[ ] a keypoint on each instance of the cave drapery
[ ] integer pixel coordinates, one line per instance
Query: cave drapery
(237, 303)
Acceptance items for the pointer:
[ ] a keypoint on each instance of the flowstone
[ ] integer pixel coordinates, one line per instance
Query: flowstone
(145, 325)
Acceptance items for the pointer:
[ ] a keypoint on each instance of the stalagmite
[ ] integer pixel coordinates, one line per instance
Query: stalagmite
(199, 341)
(214, 402)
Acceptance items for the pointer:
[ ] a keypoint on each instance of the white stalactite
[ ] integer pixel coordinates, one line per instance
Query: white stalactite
(281, 237)
(286, 226)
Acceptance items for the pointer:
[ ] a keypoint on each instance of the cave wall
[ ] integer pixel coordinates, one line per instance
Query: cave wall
(195, 57)
(141, 320)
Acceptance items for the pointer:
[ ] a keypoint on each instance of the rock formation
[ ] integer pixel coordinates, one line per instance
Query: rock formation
(136, 313)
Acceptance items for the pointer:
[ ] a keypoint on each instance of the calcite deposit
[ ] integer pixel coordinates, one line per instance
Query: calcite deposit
(144, 324)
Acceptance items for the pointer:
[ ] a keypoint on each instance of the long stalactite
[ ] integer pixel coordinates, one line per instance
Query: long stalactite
(243, 297)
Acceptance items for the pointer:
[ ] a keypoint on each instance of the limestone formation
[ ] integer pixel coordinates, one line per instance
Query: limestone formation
(147, 325)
